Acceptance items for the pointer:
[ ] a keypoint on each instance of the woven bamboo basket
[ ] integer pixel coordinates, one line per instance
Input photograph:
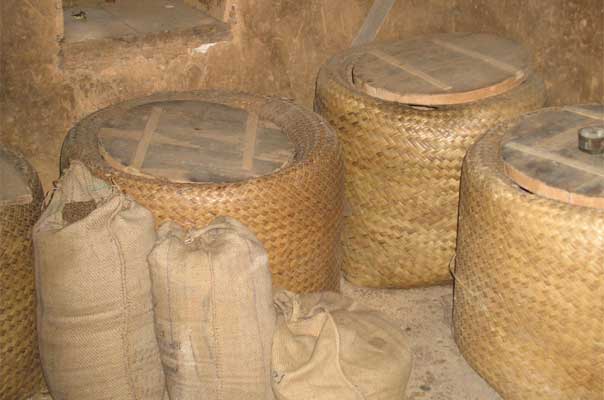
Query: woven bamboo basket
(20, 205)
(403, 150)
(529, 287)
(295, 210)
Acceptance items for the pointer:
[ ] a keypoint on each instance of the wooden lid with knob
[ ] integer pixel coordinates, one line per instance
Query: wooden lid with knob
(558, 153)
(194, 141)
(442, 69)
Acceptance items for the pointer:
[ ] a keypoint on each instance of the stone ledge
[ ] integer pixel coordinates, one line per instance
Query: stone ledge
(103, 53)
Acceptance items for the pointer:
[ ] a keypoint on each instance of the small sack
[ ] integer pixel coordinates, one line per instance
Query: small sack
(95, 321)
(326, 347)
(214, 316)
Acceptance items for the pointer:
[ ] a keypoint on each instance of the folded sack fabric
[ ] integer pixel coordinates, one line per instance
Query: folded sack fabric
(327, 347)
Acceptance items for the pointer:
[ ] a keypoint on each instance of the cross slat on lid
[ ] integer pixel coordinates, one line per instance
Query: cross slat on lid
(542, 155)
(442, 69)
(194, 141)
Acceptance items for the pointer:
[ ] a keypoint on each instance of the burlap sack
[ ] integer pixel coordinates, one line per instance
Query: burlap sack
(95, 320)
(326, 347)
(214, 316)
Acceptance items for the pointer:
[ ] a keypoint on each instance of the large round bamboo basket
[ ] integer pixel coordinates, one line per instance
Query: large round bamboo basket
(295, 211)
(20, 205)
(529, 276)
(403, 160)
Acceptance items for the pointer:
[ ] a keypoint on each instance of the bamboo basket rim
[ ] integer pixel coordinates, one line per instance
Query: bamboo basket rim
(347, 58)
(257, 103)
(503, 181)
(29, 174)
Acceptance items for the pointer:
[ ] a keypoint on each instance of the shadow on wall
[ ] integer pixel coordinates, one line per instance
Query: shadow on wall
(565, 36)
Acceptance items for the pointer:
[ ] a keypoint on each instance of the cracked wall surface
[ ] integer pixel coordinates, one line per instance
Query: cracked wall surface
(276, 48)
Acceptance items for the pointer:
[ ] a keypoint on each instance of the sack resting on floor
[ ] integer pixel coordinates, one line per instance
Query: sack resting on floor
(327, 347)
(213, 312)
(95, 321)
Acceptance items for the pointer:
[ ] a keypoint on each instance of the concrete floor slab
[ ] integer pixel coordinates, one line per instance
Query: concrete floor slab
(425, 315)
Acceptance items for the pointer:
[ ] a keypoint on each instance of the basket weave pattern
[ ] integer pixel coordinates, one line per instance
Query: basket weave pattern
(20, 371)
(296, 212)
(402, 173)
(529, 289)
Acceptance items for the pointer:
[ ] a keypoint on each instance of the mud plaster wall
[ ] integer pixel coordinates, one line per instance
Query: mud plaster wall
(2, 80)
(276, 48)
(566, 37)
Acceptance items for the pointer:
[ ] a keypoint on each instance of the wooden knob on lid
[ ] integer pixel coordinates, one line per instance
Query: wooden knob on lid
(540, 154)
(591, 139)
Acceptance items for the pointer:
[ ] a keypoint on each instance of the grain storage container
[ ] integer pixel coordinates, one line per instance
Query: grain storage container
(20, 205)
(189, 157)
(529, 288)
(405, 113)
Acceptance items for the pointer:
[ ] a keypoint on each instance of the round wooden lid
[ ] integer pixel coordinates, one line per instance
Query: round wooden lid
(542, 155)
(442, 69)
(194, 141)
(13, 184)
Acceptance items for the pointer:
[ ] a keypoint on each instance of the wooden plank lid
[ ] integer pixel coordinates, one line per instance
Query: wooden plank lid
(193, 141)
(547, 154)
(14, 188)
(441, 69)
